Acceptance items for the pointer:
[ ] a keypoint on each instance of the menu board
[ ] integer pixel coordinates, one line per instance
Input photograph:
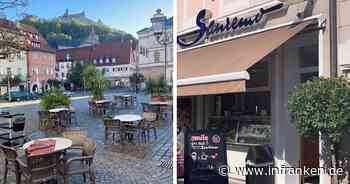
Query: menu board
(205, 155)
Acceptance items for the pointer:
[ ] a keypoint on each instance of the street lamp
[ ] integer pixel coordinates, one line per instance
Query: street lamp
(163, 37)
(9, 75)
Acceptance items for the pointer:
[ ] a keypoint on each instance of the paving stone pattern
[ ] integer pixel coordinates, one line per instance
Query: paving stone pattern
(131, 163)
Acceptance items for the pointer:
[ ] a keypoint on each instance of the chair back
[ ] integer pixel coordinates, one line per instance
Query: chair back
(89, 147)
(149, 116)
(78, 137)
(9, 153)
(44, 114)
(43, 166)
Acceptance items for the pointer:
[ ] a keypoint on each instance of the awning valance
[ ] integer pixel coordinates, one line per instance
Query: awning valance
(235, 55)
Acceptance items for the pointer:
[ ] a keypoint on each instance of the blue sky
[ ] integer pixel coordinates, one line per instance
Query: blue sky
(127, 15)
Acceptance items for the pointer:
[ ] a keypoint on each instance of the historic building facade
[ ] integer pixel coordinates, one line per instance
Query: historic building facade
(116, 58)
(34, 63)
(151, 54)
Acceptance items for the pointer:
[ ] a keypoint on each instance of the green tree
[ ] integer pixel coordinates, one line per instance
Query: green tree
(96, 81)
(322, 106)
(75, 76)
(156, 86)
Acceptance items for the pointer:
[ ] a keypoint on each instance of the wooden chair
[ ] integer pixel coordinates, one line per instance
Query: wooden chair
(150, 120)
(80, 165)
(92, 107)
(73, 115)
(10, 162)
(38, 169)
(44, 120)
(113, 127)
(77, 137)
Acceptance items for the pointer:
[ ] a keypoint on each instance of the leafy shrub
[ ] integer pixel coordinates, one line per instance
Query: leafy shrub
(53, 99)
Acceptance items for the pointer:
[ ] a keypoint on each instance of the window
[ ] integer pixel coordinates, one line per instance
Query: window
(114, 60)
(101, 61)
(62, 75)
(156, 56)
(107, 60)
(95, 61)
(33, 71)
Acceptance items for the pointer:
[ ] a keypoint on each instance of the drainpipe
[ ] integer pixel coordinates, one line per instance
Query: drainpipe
(333, 37)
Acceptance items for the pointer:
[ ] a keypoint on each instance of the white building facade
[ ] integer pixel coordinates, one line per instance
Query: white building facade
(152, 56)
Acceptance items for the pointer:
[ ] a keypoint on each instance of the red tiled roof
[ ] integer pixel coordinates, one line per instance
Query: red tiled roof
(120, 50)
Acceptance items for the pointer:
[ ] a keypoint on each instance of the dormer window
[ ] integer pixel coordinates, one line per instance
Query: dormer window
(101, 61)
(114, 60)
(107, 60)
(95, 61)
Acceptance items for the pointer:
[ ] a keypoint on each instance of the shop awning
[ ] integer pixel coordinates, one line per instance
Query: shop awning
(197, 67)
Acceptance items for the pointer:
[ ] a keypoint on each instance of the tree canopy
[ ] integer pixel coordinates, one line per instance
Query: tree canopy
(58, 32)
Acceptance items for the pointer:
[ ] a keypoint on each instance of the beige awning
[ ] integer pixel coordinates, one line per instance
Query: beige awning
(228, 57)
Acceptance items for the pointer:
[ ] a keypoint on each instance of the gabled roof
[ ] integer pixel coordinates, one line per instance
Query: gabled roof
(120, 50)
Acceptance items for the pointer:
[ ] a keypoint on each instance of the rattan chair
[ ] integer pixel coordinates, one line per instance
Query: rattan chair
(92, 108)
(77, 137)
(150, 124)
(80, 165)
(113, 127)
(73, 115)
(44, 120)
(10, 155)
(38, 169)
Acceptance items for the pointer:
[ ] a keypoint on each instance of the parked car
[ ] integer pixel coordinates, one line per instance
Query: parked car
(20, 96)
(68, 93)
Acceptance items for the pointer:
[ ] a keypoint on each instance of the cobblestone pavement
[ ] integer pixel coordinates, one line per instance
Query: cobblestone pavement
(114, 163)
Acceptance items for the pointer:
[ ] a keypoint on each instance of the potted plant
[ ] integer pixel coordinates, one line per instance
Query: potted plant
(321, 107)
(96, 81)
(156, 87)
(54, 98)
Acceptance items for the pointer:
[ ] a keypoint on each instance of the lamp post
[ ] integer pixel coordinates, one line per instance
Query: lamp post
(163, 37)
(9, 83)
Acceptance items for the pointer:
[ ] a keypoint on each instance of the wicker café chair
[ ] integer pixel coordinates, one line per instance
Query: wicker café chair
(78, 138)
(10, 155)
(73, 116)
(38, 169)
(92, 108)
(44, 120)
(150, 124)
(80, 165)
(113, 127)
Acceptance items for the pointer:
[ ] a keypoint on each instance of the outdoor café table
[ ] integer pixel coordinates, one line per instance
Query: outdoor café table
(159, 104)
(129, 120)
(61, 143)
(101, 104)
(57, 110)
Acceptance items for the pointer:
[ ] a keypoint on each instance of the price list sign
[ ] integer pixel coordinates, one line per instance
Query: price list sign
(205, 154)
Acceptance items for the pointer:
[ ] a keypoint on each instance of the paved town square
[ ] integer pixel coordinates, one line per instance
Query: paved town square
(115, 163)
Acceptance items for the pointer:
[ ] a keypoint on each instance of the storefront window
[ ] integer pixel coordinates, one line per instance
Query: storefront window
(244, 117)
(259, 75)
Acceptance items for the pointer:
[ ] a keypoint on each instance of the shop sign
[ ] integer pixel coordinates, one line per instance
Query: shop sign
(205, 30)
(205, 154)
